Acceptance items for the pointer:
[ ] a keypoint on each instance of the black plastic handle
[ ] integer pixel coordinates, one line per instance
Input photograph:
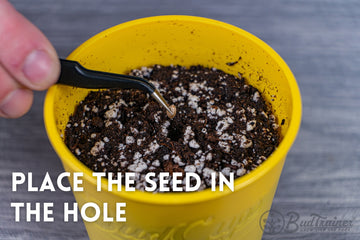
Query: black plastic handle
(73, 74)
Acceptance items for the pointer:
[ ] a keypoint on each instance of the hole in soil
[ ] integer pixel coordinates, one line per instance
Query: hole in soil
(176, 131)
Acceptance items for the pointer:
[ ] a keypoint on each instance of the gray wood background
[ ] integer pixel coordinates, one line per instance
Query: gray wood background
(320, 41)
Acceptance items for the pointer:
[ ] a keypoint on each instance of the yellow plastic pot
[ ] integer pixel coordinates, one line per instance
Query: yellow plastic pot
(186, 41)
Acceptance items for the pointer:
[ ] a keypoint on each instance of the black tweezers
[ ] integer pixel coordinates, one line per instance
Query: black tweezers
(73, 74)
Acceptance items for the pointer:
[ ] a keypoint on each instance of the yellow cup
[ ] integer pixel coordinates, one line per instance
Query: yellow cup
(182, 40)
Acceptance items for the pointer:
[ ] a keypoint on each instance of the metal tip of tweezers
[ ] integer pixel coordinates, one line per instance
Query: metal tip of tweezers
(171, 110)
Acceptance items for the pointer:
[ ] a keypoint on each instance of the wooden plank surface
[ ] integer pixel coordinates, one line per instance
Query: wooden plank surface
(320, 41)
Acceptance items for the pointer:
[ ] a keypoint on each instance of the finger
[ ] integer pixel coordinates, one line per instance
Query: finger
(26, 54)
(17, 104)
(14, 100)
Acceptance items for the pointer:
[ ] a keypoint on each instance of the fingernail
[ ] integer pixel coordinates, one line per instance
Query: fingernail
(37, 67)
(6, 106)
(16, 103)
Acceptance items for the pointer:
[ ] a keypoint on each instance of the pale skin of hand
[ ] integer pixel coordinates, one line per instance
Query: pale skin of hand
(28, 62)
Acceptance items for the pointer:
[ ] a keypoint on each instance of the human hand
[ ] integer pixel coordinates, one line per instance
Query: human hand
(27, 62)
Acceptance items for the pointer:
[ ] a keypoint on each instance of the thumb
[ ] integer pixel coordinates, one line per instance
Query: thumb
(27, 62)
(26, 54)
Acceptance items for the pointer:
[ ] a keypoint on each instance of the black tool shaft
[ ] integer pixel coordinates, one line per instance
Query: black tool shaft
(73, 74)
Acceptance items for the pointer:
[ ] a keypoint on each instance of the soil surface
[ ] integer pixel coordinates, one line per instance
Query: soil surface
(221, 125)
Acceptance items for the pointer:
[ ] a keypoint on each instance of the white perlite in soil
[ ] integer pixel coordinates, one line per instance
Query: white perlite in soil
(222, 125)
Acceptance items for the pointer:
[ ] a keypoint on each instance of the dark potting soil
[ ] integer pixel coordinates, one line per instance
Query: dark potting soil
(221, 125)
